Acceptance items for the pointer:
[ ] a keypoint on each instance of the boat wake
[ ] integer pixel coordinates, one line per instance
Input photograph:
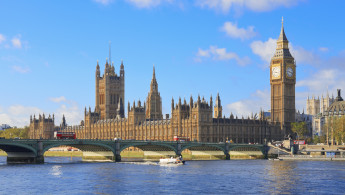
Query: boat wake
(141, 163)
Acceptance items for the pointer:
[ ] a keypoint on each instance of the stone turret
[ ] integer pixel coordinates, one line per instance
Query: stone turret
(110, 90)
(218, 108)
(136, 114)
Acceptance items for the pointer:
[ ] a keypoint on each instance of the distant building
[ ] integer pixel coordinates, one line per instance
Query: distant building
(336, 109)
(4, 126)
(307, 118)
(316, 108)
(42, 127)
(299, 117)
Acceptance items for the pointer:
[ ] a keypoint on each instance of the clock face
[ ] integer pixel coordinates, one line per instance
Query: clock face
(276, 71)
(289, 72)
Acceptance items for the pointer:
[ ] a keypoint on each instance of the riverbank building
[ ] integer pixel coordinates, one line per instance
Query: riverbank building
(199, 119)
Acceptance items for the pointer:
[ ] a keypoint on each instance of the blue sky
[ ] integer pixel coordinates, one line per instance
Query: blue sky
(49, 51)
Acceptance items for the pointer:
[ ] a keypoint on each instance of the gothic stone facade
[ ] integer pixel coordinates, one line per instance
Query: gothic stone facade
(199, 120)
(42, 127)
(192, 120)
(195, 120)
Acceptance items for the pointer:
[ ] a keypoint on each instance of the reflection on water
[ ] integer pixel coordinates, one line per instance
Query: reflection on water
(56, 170)
(60, 175)
(280, 174)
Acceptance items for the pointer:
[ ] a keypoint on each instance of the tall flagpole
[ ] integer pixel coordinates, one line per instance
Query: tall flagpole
(110, 53)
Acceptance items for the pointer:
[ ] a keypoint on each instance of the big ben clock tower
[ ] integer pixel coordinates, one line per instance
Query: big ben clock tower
(283, 80)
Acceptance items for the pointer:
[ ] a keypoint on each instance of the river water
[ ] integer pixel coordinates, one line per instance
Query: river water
(62, 175)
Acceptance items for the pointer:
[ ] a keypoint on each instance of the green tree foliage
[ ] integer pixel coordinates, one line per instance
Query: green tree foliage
(300, 128)
(339, 129)
(316, 139)
(335, 126)
(309, 140)
(322, 139)
(11, 133)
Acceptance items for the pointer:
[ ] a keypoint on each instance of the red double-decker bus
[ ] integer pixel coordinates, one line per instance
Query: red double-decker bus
(299, 142)
(64, 135)
(179, 138)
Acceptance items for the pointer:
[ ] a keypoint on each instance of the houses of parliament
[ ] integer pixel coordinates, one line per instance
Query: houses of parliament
(198, 120)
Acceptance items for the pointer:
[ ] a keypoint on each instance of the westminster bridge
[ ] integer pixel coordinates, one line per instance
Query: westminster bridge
(32, 150)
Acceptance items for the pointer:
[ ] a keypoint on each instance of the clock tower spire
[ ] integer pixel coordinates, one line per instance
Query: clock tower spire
(283, 80)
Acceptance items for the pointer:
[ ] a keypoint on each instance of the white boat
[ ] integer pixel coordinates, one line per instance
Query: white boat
(171, 161)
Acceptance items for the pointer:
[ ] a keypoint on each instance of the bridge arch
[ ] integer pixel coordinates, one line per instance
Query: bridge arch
(18, 152)
(245, 147)
(82, 146)
(205, 146)
(17, 147)
(91, 150)
(148, 145)
(204, 151)
(251, 151)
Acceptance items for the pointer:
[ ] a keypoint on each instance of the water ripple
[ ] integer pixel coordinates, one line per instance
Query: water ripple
(65, 176)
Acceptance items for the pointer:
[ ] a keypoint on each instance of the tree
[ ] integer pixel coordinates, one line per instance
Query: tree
(300, 128)
(24, 133)
(335, 129)
(15, 132)
(339, 129)
(316, 139)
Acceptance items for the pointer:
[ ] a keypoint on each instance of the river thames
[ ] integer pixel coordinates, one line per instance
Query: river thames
(61, 175)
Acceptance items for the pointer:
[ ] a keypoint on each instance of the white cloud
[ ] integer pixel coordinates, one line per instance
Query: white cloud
(304, 56)
(253, 5)
(265, 50)
(323, 49)
(5, 119)
(147, 3)
(221, 54)
(19, 115)
(16, 42)
(257, 101)
(18, 110)
(72, 113)
(103, 2)
(261, 99)
(58, 99)
(318, 84)
(21, 69)
(233, 31)
(321, 80)
(2, 38)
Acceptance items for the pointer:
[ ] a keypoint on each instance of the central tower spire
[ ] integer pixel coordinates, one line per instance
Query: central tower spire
(154, 73)
(154, 84)
(154, 100)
